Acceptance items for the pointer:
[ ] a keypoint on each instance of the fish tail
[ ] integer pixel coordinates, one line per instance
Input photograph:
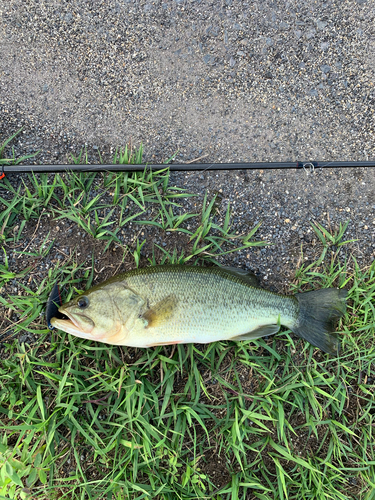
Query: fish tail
(319, 312)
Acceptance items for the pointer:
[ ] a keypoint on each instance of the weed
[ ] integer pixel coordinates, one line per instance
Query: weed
(272, 419)
(13, 160)
(128, 157)
(149, 426)
(81, 158)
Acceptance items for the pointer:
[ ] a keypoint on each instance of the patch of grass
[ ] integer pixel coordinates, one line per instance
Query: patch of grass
(128, 157)
(28, 306)
(8, 217)
(272, 419)
(101, 204)
(279, 421)
(209, 239)
(122, 197)
(13, 160)
(81, 159)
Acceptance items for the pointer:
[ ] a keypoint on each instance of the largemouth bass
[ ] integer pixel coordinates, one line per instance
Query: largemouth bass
(174, 304)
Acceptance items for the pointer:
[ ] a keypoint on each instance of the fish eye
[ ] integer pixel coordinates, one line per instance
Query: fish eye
(83, 302)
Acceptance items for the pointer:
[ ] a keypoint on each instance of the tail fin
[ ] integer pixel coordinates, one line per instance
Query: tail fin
(319, 312)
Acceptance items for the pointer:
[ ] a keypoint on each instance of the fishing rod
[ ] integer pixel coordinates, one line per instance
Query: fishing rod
(307, 165)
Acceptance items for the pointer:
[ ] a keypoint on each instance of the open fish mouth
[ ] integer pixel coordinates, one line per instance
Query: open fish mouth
(70, 324)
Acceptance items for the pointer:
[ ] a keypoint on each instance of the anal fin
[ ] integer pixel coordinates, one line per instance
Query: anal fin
(156, 344)
(262, 331)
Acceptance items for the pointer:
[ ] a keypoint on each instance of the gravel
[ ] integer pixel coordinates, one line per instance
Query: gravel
(288, 203)
(226, 80)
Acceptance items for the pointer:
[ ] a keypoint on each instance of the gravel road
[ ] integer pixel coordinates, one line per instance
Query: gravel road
(225, 80)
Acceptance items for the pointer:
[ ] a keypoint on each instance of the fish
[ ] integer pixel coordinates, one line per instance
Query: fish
(174, 304)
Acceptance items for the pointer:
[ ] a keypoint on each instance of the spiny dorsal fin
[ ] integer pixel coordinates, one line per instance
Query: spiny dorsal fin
(262, 331)
(160, 312)
(247, 276)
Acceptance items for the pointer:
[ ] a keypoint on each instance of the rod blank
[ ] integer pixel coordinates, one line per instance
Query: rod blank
(307, 165)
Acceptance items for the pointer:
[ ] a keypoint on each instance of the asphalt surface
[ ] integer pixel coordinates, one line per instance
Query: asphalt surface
(223, 80)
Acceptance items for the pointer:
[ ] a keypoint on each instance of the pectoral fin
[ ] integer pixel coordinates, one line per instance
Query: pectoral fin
(262, 331)
(160, 312)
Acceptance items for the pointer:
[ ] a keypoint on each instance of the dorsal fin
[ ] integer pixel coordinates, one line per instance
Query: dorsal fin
(247, 276)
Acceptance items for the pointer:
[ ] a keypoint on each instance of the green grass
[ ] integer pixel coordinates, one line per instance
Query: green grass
(12, 160)
(269, 419)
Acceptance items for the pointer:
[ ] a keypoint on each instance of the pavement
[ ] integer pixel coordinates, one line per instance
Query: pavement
(221, 80)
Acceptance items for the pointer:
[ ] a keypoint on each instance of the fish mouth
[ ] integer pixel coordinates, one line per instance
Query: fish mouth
(71, 324)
